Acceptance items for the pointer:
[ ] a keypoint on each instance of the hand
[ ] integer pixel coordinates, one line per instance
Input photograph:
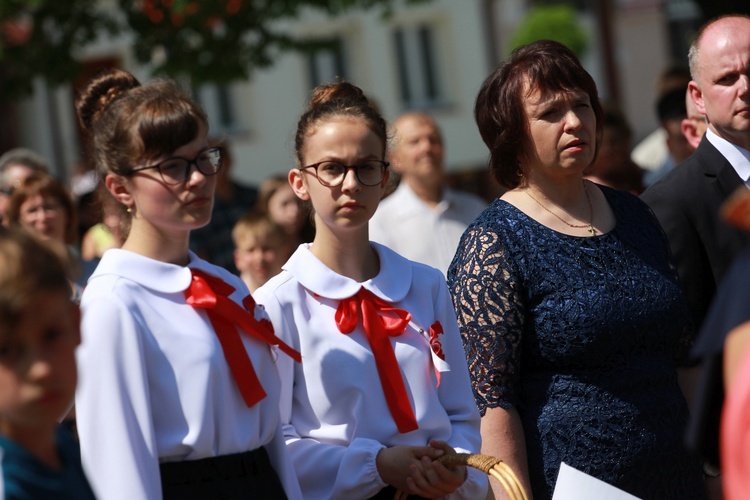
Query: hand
(395, 463)
(433, 479)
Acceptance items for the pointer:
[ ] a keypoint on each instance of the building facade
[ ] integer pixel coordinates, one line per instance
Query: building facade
(432, 57)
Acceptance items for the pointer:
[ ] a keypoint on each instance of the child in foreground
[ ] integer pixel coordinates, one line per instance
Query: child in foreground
(38, 335)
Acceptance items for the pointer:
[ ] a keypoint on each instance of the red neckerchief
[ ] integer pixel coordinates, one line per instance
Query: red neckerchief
(381, 321)
(212, 294)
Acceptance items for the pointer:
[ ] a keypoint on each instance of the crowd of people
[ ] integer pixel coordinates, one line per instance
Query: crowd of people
(324, 336)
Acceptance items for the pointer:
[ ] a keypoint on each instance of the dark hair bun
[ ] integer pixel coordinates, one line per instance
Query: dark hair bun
(341, 94)
(99, 92)
(340, 99)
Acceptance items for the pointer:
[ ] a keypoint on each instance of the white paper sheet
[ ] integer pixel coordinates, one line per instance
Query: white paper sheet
(573, 484)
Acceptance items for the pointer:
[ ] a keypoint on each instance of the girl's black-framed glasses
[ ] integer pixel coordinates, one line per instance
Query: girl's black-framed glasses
(176, 170)
(332, 173)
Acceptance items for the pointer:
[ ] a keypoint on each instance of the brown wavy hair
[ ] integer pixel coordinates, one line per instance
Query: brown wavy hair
(127, 123)
(546, 66)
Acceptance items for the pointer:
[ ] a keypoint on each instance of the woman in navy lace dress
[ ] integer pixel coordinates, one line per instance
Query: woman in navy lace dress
(572, 318)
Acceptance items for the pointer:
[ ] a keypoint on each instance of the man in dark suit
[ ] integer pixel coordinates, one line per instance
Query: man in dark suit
(687, 200)
(687, 203)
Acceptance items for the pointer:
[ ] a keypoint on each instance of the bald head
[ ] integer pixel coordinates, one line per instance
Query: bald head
(415, 116)
(720, 67)
(725, 27)
(417, 153)
(18, 164)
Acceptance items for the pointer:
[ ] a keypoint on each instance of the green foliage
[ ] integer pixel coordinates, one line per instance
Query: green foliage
(38, 37)
(552, 22)
(215, 41)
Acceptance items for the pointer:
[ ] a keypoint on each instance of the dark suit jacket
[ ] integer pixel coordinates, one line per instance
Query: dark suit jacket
(687, 201)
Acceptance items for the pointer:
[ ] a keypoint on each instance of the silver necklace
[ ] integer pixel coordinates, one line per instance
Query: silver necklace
(589, 227)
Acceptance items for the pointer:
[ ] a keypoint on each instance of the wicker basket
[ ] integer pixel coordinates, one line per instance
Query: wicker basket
(491, 466)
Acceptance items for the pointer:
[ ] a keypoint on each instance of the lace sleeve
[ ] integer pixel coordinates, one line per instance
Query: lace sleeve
(490, 316)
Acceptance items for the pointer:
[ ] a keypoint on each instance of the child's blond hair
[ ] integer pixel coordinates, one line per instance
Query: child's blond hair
(258, 225)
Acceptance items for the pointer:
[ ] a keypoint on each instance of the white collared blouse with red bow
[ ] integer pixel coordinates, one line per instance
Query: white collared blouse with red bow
(336, 413)
(154, 383)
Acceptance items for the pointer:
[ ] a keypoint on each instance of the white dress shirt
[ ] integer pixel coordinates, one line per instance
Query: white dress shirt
(737, 156)
(419, 232)
(336, 418)
(154, 385)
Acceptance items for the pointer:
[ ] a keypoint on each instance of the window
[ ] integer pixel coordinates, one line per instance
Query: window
(326, 64)
(418, 72)
(683, 21)
(218, 103)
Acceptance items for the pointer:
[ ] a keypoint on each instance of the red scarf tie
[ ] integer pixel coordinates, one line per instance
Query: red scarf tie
(381, 321)
(212, 294)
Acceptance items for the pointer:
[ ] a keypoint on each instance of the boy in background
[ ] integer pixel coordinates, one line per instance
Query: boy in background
(38, 335)
(261, 248)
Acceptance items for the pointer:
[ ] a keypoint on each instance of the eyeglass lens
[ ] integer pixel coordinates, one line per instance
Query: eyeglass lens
(369, 173)
(177, 170)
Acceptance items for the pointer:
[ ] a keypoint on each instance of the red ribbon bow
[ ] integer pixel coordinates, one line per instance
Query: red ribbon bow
(381, 321)
(212, 294)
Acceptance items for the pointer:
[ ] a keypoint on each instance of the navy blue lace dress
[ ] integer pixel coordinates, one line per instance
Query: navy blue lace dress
(582, 336)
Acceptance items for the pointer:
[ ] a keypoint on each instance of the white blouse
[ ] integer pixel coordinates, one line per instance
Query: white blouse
(334, 411)
(154, 385)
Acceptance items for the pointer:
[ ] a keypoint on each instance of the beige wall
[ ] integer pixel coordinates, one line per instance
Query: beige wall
(642, 54)
(269, 105)
(274, 100)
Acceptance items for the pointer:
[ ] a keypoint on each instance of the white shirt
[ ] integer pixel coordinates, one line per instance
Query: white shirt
(419, 232)
(334, 411)
(652, 152)
(737, 156)
(154, 385)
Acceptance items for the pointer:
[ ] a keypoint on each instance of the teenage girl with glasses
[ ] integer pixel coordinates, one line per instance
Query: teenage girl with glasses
(178, 392)
(383, 389)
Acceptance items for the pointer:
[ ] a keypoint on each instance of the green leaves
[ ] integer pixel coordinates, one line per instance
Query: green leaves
(206, 41)
(552, 22)
(39, 37)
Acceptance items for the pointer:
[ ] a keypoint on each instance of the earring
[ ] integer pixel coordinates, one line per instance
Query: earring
(129, 210)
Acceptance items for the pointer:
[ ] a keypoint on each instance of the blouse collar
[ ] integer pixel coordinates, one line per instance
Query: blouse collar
(391, 284)
(152, 274)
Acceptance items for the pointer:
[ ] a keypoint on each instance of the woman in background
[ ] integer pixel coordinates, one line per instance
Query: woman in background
(43, 206)
(277, 200)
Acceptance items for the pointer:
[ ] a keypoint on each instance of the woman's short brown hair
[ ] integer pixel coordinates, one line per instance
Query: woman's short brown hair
(545, 66)
(47, 187)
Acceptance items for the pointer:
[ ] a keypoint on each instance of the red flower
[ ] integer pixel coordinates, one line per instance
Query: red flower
(435, 330)
(249, 302)
(267, 323)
